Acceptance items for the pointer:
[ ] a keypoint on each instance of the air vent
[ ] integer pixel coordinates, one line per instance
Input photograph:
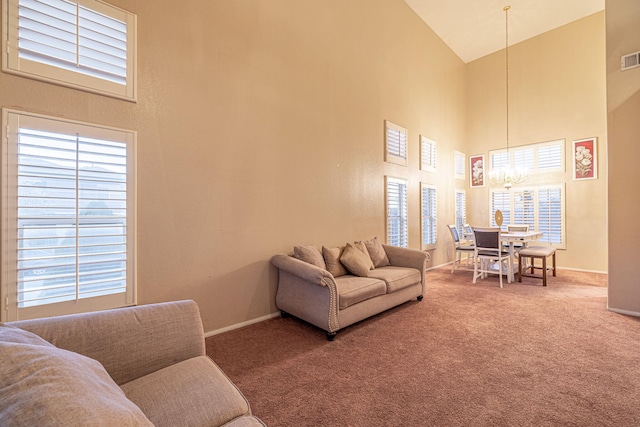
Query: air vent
(631, 60)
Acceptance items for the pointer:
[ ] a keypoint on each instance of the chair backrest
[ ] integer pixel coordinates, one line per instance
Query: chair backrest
(454, 234)
(518, 227)
(487, 238)
(467, 229)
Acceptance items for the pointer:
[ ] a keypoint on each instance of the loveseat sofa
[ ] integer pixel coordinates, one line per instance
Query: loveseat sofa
(339, 286)
(136, 366)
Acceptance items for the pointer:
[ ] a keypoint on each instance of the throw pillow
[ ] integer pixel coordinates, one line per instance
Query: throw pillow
(309, 254)
(332, 260)
(377, 253)
(361, 246)
(41, 384)
(356, 261)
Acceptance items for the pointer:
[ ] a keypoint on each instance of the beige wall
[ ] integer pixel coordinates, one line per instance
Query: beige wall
(623, 97)
(260, 126)
(556, 91)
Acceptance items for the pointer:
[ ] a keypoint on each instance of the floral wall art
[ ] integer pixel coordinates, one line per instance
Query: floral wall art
(585, 165)
(476, 171)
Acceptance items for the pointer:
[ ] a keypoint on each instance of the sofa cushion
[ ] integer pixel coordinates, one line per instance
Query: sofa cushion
(396, 277)
(41, 384)
(309, 254)
(361, 245)
(352, 289)
(194, 392)
(332, 260)
(355, 260)
(245, 421)
(377, 253)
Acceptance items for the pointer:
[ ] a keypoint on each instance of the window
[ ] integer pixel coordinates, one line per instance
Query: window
(429, 215)
(397, 234)
(396, 144)
(461, 210)
(427, 154)
(458, 164)
(542, 208)
(86, 44)
(541, 158)
(69, 214)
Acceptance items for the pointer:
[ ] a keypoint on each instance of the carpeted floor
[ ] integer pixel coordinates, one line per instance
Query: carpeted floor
(467, 355)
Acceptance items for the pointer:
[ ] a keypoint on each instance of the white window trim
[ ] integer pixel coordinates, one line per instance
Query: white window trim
(428, 154)
(404, 218)
(8, 279)
(391, 130)
(434, 214)
(12, 63)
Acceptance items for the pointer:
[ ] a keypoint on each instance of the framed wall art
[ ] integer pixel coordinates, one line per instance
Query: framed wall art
(476, 171)
(585, 159)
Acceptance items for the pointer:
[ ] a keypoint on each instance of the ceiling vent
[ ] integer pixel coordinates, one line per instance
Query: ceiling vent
(629, 61)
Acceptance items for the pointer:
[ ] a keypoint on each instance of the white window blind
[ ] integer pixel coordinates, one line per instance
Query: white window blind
(540, 158)
(397, 232)
(461, 210)
(86, 43)
(71, 223)
(500, 200)
(396, 144)
(427, 154)
(542, 208)
(459, 160)
(429, 216)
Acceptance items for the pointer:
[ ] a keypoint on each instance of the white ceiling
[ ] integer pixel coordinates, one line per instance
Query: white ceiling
(475, 28)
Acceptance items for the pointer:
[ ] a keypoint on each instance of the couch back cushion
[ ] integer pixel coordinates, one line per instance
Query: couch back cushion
(310, 254)
(332, 260)
(41, 384)
(377, 253)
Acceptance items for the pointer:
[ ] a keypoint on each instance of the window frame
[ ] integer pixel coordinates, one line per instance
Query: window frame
(497, 157)
(12, 121)
(403, 239)
(428, 154)
(459, 165)
(431, 216)
(392, 132)
(12, 62)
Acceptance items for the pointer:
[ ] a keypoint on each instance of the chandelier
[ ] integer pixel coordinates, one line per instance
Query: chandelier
(507, 175)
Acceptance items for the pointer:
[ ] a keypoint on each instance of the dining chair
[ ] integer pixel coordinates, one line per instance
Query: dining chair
(518, 227)
(467, 233)
(488, 252)
(459, 249)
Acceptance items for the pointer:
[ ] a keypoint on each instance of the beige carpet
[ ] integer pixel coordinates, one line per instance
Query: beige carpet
(468, 355)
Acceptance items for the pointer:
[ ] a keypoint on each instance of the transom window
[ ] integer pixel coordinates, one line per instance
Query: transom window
(85, 44)
(544, 157)
(396, 143)
(427, 154)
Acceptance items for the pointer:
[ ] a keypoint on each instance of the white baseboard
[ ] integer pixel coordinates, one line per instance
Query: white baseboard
(242, 324)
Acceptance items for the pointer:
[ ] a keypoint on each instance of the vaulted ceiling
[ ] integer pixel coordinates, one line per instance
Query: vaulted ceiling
(475, 28)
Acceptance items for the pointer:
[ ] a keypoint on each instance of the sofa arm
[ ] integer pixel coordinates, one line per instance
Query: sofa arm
(405, 257)
(130, 342)
(303, 270)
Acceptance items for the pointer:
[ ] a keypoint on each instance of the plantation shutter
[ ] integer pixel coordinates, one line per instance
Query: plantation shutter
(461, 210)
(550, 215)
(524, 208)
(397, 233)
(500, 200)
(429, 215)
(396, 143)
(67, 35)
(524, 158)
(459, 164)
(550, 157)
(427, 154)
(71, 219)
